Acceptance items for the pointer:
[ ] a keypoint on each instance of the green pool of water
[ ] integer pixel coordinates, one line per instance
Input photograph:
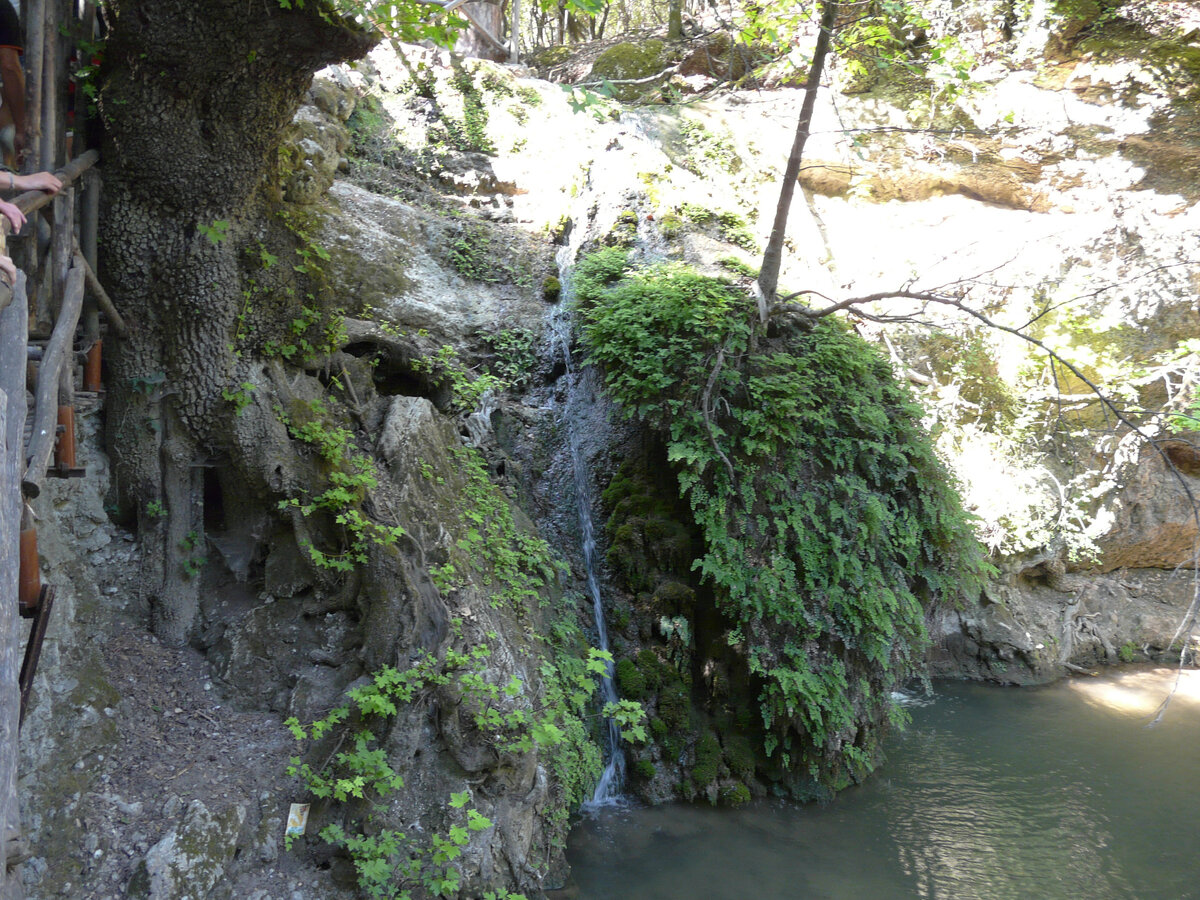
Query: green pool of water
(992, 793)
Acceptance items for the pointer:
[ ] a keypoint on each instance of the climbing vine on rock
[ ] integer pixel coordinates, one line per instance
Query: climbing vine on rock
(829, 525)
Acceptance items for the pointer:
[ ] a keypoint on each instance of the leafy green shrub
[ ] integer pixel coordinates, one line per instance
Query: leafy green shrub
(515, 349)
(828, 522)
(644, 769)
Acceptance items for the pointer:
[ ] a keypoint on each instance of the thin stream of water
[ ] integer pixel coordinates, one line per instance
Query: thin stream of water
(581, 385)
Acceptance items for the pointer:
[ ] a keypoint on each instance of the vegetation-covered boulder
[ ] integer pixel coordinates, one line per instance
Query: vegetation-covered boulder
(628, 61)
(828, 524)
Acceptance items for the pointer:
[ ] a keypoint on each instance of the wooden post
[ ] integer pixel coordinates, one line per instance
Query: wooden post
(41, 441)
(115, 322)
(89, 216)
(83, 119)
(14, 323)
(92, 368)
(34, 18)
(64, 449)
(50, 86)
(29, 569)
(61, 243)
(514, 34)
(62, 59)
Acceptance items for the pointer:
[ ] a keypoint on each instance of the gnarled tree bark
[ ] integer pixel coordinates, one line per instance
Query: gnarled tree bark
(195, 94)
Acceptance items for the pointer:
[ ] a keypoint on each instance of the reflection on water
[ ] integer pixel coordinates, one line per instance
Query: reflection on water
(992, 793)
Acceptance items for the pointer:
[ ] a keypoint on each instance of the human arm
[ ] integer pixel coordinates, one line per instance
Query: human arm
(8, 269)
(38, 181)
(13, 91)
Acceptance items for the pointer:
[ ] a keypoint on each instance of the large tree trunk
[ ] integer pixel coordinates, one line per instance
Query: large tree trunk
(195, 95)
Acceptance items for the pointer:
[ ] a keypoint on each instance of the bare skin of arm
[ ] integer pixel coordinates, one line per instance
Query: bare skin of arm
(38, 181)
(14, 91)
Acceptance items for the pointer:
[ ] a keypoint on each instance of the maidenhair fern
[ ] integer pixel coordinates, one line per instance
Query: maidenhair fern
(829, 524)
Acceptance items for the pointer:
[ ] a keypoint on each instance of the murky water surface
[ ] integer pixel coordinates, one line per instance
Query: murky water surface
(992, 793)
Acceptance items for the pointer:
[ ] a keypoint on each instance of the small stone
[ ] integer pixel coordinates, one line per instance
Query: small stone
(111, 589)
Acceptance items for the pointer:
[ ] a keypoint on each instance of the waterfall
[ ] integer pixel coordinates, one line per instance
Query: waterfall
(581, 386)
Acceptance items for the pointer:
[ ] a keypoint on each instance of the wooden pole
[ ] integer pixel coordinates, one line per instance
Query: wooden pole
(35, 53)
(14, 323)
(514, 34)
(41, 443)
(62, 59)
(115, 321)
(83, 117)
(61, 242)
(50, 87)
(89, 215)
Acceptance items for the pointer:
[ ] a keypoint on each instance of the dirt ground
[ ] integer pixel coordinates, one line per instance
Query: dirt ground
(131, 735)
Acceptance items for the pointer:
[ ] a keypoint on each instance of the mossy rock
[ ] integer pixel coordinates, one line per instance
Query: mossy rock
(551, 289)
(708, 760)
(551, 56)
(644, 769)
(646, 530)
(734, 795)
(739, 755)
(674, 597)
(654, 670)
(669, 225)
(624, 231)
(630, 681)
(627, 61)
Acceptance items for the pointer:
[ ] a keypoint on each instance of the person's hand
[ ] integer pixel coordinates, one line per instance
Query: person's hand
(8, 271)
(38, 181)
(13, 214)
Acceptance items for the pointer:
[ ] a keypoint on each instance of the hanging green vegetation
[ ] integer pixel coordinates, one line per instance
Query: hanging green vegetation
(829, 525)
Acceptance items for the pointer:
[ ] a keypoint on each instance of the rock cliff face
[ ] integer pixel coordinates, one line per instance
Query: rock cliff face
(1055, 201)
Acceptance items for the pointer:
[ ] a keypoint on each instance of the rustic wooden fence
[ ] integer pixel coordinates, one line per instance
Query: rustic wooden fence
(56, 301)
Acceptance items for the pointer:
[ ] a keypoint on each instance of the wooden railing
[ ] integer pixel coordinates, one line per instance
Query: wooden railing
(60, 293)
(69, 274)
